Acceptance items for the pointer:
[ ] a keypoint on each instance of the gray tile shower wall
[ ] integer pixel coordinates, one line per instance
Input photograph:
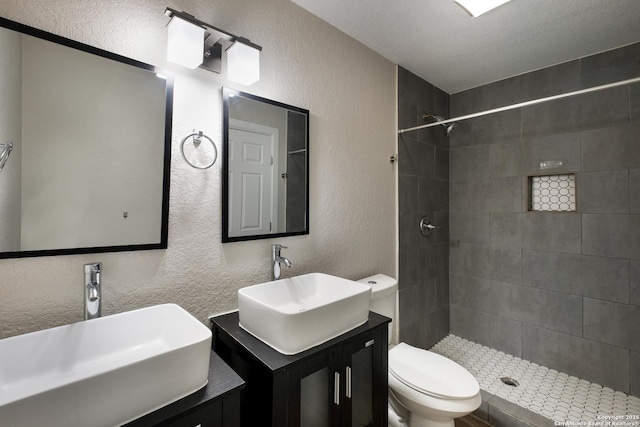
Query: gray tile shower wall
(423, 189)
(558, 289)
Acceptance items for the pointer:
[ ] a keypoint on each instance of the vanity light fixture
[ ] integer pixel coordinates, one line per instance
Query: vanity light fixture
(193, 43)
(243, 62)
(185, 43)
(476, 8)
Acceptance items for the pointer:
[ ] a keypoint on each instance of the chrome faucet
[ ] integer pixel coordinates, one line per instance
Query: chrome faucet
(276, 260)
(92, 290)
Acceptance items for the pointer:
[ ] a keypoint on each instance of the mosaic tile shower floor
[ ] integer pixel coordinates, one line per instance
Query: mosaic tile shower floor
(565, 399)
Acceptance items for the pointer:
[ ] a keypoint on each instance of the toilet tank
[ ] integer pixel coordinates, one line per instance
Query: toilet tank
(383, 296)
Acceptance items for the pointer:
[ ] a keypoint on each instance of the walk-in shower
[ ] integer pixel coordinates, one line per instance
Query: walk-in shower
(528, 386)
(447, 126)
(5, 150)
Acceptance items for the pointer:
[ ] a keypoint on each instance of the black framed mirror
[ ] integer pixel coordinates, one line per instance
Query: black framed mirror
(90, 132)
(265, 169)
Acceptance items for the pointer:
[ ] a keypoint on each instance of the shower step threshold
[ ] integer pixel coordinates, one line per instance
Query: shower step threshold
(543, 397)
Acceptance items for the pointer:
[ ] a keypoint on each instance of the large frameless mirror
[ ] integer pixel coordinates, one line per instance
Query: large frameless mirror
(90, 138)
(265, 170)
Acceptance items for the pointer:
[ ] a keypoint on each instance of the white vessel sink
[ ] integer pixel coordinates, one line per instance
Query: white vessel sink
(105, 371)
(294, 314)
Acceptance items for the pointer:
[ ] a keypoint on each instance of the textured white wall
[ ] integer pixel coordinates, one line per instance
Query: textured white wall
(351, 93)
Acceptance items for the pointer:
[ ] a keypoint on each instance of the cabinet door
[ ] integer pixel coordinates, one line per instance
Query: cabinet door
(341, 387)
(365, 386)
(319, 387)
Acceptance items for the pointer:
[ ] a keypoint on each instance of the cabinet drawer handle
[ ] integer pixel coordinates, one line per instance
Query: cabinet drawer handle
(336, 388)
(348, 381)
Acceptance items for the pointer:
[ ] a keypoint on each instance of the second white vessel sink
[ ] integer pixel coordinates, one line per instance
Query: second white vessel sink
(105, 371)
(294, 314)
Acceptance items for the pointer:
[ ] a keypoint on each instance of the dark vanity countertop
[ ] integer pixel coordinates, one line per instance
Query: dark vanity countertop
(222, 381)
(274, 360)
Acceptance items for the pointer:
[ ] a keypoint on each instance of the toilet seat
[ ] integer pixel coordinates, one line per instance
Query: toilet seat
(431, 374)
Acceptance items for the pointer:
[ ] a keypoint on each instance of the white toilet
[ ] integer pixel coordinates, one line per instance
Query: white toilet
(425, 389)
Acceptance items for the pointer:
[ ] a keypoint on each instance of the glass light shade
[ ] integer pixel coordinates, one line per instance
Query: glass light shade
(478, 7)
(185, 44)
(243, 64)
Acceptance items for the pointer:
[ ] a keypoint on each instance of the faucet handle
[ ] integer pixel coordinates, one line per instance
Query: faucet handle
(93, 268)
(277, 246)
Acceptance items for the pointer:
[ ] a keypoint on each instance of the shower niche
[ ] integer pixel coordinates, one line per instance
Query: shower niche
(552, 193)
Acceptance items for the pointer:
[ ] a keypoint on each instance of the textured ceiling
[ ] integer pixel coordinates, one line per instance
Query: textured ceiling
(440, 42)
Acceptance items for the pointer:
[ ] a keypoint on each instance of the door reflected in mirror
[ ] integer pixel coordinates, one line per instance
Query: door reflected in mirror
(265, 168)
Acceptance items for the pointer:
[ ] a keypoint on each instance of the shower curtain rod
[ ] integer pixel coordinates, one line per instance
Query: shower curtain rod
(524, 104)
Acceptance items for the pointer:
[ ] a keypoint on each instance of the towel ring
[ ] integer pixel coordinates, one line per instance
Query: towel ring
(197, 139)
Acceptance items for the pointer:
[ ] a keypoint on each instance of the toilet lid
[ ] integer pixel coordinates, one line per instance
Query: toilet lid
(430, 373)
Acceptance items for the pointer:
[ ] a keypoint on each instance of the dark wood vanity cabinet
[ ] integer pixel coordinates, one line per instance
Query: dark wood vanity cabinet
(342, 382)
